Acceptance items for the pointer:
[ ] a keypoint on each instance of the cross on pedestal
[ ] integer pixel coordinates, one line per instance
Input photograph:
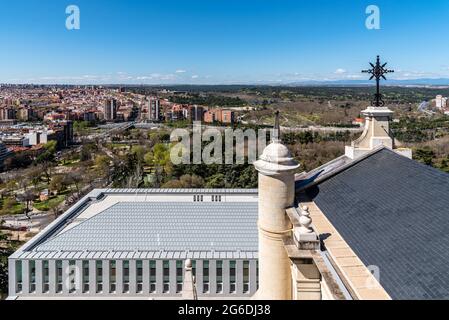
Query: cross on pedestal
(378, 72)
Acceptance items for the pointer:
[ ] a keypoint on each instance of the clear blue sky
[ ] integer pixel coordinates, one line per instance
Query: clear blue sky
(219, 41)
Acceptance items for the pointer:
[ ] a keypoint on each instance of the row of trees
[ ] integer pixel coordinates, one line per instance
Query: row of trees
(146, 166)
(413, 130)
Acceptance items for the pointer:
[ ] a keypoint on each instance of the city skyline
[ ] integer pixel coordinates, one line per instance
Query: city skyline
(219, 43)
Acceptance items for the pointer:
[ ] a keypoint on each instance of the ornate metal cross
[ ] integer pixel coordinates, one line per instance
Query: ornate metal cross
(378, 71)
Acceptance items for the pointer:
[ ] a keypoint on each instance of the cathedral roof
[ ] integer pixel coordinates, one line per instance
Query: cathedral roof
(394, 214)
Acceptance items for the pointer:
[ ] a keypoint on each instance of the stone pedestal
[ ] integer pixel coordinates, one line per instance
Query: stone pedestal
(376, 134)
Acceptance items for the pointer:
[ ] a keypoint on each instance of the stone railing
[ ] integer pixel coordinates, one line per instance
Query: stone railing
(312, 280)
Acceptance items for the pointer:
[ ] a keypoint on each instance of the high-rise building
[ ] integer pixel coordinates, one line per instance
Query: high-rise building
(110, 110)
(197, 113)
(154, 109)
(227, 116)
(439, 101)
(68, 133)
(219, 115)
(89, 116)
(25, 114)
(8, 113)
(3, 154)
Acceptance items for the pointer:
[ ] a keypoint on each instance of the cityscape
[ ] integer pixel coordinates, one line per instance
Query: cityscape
(201, 172)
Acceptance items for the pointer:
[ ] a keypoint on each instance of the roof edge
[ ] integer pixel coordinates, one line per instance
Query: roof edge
(340, 169)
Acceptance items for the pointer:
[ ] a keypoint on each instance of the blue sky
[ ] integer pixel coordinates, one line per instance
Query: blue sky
(219, 41)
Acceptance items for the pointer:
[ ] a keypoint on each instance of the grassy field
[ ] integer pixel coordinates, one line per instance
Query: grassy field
(49, 204)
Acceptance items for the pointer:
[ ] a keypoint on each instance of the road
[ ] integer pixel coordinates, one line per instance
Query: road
(423, 107)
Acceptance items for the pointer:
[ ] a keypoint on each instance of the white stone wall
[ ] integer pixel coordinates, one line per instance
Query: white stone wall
(33, 284)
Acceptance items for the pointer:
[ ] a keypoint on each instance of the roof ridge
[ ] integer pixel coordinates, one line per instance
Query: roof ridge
(342, 168)
(75, 227)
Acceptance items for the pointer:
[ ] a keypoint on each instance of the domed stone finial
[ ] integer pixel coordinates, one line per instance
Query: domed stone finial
(188, 264)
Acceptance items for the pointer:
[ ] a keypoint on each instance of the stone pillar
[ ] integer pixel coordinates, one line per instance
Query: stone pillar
(199, 277)
(39, 277)
(252, 276)
(213, 277)
(159, 277)
(79, 277)
(119, 277)
(226, 277)
(12, 279)
(132, 277)
(92, 277)
(172, 271)
(106, 277)
(65, 277)
(276, 193)
(52, 277)
(239, 277)
(25, 277)
(146, 277)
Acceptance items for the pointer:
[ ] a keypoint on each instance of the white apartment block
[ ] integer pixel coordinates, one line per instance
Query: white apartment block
(440, 102)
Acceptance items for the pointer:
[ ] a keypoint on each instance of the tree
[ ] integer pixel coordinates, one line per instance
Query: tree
(35, 176)
(55, 208)
(75, 179)
(27, 197)
(3, 192)
(217, 181)
(57, 183)
(103, 165)
(173, 184)
(425, 156)
(8, 205)
(192, 181)
(186, 181)
(11, 185)
(4, 253)
(139, 151)
(47, 159)
(49, 152)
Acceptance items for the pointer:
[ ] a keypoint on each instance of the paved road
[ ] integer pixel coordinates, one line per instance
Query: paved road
(423, 106)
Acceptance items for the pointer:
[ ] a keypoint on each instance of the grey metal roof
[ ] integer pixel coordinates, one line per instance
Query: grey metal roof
(394, 214)
(163, 226)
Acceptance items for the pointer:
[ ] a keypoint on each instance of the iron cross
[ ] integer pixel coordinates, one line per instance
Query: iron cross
(378, 72)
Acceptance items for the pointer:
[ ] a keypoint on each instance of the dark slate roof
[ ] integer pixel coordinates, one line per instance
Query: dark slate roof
(394, 214)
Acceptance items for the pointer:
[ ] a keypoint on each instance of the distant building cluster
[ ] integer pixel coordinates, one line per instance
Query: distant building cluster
(98, 104)
(441, 103)
(199, 113)
(28, 136)
(31, 116)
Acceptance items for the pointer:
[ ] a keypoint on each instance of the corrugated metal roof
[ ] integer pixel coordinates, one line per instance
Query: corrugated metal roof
(167, 226)
(29, 255)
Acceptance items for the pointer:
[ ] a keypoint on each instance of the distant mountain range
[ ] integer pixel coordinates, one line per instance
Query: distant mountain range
(408, 82)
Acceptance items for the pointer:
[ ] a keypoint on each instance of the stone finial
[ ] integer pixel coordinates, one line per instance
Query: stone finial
(305, 221)
(189, 287)
(188, 264)
(304, 234)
